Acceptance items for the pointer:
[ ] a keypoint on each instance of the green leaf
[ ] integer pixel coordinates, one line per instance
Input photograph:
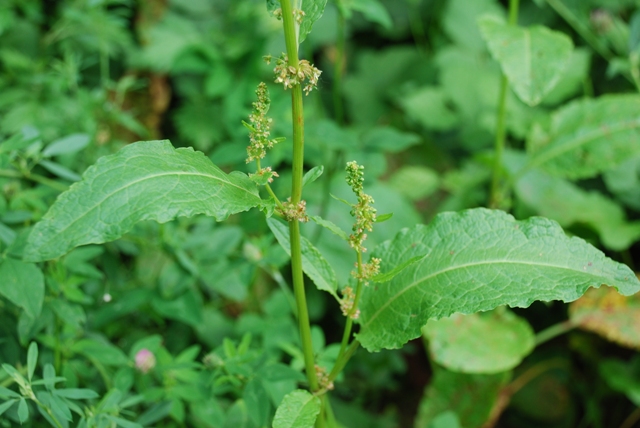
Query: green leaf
(15, 375)
(185, 308)
(533, 59)
(76, 393)
(6, 405)
(123, 422)
(313, 263)
(7, 393)
(313, 10)
(622, 376)
(489, 342)
(415, 182)
(373, 10)
(587, 137)
(312, 175)
(23, 284)
(383, 217)
(474, 261)
(257, 400)
(334, 228)
(299, 409)
(32, 359)
(69, 144)
(388, 139)
(23, 411)
(568, 204)
(430, 107)
(624, 182)
(59, 170)
(148, 180)
(470, 396)
(102, 352)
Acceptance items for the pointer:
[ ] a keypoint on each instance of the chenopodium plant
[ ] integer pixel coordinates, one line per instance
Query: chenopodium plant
(462, 262)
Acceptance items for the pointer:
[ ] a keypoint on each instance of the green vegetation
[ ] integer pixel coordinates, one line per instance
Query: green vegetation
(312, 213)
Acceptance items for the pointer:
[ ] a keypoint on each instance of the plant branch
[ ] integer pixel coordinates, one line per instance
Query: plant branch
(554, 331)
(34, 177)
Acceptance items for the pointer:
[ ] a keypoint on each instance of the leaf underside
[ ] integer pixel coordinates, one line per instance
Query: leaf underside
(148, 180)
(474, 261)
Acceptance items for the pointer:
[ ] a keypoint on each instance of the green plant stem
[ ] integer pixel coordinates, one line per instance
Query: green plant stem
(338, 110)
(296, 195)
(269, 190)
(49, 412)
(34, 177)
(501, 129)
(342, 360)
(554, 331)
(346, 335)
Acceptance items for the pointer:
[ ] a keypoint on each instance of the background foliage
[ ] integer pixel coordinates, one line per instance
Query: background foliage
(410, 90)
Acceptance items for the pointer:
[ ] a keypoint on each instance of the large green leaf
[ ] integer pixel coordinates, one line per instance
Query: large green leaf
(533, 59)
(148, 180)
(23, 284)
(587, 137)
(470, 396)
(313, 263)
(313, 10)
(299, 409)
(474, 261)
(490, 342)
(568, 204)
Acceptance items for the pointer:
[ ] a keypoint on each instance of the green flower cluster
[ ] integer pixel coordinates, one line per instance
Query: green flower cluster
(363, 212)
(260, 126)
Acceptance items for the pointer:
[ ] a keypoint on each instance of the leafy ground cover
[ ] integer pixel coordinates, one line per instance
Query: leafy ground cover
(402, 226)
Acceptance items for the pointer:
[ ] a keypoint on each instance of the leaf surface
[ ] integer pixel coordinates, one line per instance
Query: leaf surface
(313, 263)
(23, 284)
(533, 59)
(490, 342)
(587, 137)
(474, 261)
(299, 409)
(313, 10)
(148, 180)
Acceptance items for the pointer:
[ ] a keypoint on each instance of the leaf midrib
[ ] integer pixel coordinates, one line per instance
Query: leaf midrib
(131, 183)
(449, 269)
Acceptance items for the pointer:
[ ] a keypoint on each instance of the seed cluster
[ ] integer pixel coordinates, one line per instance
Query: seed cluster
(290, 76)
(347, 302)
(292, 212)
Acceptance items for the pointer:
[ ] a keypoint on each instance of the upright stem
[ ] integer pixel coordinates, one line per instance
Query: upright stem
(338, 110)
(296, 196)
(501, 129)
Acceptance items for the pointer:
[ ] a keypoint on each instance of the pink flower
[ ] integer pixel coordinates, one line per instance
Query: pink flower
(145, 360)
